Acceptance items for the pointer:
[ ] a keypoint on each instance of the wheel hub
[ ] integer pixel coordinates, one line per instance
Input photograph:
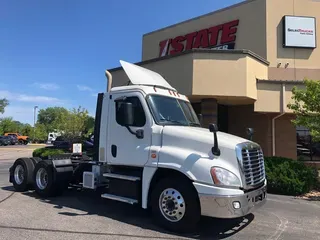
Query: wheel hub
(19, 174)
(42, 178)
(172, 205)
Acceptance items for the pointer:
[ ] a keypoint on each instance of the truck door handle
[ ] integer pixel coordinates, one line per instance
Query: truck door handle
(114, 150)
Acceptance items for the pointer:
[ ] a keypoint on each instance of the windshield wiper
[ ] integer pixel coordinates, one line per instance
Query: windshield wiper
(172, 121)
(194, 124)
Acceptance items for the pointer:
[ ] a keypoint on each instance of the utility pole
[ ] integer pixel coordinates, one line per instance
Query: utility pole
(34, 122)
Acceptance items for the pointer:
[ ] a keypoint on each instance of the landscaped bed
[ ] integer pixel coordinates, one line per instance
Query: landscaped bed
(286, 176)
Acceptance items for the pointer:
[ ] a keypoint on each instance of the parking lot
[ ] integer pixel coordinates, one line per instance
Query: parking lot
(84, 215)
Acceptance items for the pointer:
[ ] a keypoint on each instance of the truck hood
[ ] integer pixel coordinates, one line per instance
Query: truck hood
(199, 140)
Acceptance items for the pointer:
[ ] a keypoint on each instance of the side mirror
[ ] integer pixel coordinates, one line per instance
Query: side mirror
(250, 132)
(215, 149)
(126, 114)
(213, 128)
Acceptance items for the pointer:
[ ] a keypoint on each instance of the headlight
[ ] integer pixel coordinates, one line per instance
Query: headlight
(222, 176)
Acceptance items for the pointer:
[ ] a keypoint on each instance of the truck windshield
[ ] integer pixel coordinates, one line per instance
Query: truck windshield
(172, 111)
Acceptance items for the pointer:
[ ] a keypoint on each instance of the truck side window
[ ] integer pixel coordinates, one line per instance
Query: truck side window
(139, 115)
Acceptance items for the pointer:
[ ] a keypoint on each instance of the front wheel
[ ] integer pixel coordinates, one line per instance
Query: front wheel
(175, 205)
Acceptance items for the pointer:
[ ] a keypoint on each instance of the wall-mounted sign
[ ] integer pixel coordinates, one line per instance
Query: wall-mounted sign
(299, 32)
(221, 36)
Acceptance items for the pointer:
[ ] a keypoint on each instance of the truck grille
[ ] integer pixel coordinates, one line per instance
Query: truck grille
(251, 159)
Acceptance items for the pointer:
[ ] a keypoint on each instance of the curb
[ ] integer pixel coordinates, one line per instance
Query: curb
(36, 144)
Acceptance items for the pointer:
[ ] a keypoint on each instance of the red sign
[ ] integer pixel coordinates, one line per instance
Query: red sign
(205, 38)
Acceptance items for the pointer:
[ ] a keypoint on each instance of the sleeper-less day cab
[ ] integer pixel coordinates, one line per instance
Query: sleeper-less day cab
(151, 150)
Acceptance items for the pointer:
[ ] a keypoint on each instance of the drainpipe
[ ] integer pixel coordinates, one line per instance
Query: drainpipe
(283, 94)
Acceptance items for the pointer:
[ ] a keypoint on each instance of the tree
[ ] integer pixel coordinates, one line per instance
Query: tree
(3, 104)
(27, 130)
(73, 124)
(306, 106)
(89, 126)
(41, 134)
(51, 117)
(8, 125)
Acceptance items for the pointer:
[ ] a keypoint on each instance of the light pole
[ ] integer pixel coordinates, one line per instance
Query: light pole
(34, 121)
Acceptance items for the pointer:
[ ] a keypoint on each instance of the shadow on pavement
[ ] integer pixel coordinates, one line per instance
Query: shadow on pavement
(92, 204)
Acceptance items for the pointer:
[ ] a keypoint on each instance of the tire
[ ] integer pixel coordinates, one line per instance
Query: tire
(21, 142)
(25, 142)
(45, 182)
(35, 160)
(22, 171)
(186, 208)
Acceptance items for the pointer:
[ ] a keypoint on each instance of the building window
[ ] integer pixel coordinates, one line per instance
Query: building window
(307, 149)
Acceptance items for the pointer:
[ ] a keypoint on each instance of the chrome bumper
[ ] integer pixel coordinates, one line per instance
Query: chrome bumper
(232, 206)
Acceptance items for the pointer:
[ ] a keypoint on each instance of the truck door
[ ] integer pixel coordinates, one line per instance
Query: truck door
(123, 147)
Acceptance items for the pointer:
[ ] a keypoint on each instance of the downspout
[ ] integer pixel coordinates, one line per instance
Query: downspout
(282, 112)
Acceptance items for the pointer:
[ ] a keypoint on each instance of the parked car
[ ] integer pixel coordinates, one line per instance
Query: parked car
(21, 139)
(13, 139)
(4, 141)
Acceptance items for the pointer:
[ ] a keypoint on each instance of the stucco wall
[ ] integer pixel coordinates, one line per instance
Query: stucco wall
(251, 32)
(303, 63)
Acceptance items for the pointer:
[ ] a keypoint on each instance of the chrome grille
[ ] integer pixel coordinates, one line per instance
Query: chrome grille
(253, 166)
(251, 160)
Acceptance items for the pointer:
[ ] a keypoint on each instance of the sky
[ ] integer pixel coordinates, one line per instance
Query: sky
(54, 53)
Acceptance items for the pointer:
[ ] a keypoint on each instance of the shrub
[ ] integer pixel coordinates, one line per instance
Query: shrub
(46, 152)
(289, 177)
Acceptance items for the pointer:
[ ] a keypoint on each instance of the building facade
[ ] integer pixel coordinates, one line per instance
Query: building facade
(238, 66)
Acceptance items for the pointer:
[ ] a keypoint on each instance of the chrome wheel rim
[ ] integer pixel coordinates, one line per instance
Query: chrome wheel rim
(42, 178)
(19, 174)
(172, 205)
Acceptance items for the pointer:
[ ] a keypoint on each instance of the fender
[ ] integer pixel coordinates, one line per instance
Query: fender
(147, 175)
(150, 176)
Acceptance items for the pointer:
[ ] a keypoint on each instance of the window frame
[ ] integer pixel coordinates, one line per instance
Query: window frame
(153, 113)
(141, 106)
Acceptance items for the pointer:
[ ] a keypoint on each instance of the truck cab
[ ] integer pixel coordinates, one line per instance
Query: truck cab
(151, 150)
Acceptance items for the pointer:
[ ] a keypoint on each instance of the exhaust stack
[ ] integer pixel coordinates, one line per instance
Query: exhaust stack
(109, 77)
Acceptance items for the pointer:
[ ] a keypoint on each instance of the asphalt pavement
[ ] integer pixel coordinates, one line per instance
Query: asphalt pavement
(84, 215)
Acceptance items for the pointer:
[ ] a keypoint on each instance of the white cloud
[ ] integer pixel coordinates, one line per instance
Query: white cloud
(28, 98)
(84, 88)
(6, 94)
(47, 86)
(21, 114)
(87, 89)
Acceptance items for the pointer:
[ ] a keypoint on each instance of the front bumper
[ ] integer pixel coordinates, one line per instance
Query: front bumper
(232, 206)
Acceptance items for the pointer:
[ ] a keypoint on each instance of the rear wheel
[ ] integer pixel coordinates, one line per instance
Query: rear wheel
(22, 174)
(45, 184)
(35, 160)
(175, 205)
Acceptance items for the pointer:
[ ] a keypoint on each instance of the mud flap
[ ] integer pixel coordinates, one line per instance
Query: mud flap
(11, 174)
(63, 170)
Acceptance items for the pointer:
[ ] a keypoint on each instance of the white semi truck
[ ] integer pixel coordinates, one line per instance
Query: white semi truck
(150, 150)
